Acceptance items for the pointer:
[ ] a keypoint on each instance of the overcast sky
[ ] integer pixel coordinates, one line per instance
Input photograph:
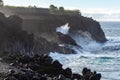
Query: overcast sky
(98, 9)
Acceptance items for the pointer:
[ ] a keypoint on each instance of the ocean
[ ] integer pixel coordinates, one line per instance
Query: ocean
(103, 58)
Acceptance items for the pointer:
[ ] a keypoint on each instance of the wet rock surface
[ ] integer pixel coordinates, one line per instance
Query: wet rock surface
(42, 67)
(66, 39)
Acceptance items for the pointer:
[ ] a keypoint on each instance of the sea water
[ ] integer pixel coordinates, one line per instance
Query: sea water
(103, 58)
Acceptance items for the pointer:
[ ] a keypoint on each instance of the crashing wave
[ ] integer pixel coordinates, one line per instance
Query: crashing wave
(63, 29)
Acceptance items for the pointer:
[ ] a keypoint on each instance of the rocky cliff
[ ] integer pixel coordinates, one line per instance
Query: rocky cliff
(15, 40)
(76, 23)
(36, 33)
(39, 20)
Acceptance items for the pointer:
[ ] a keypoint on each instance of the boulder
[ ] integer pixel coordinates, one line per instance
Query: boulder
(66, 39)
(61, 77)
(57, 64)
(68, 72)
(76, 76)
(41, 45)
(38, 69)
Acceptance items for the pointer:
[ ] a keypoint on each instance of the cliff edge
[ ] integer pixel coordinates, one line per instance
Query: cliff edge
(39, 20)
(35, 32)
(76, 23)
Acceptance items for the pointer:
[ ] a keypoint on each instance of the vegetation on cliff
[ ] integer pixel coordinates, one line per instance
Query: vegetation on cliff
(61, 11)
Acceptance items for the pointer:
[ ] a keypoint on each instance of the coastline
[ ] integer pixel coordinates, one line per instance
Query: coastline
(26, 51)
(39, 68)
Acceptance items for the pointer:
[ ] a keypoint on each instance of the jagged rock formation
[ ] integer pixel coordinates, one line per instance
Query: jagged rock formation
(12, 36)
(47, 24)
(76, 23)
(14, 40)
(42, 67)
(66, 39)
(18, 32)
(39, 20)
(41, 45)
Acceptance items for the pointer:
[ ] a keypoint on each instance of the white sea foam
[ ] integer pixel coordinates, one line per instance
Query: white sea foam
(86, 42)
(63, 29)
(103, 61)
(104, 58)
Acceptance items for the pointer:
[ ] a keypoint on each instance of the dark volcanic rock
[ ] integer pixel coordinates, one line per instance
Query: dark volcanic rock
(14, 22)
(14, 40)
(50, 22)
(68, 72)
(87, 24)
(41, 45)
(66, 39)
(76, 23)
(44, 68)
(88, 75)
(77, 76)
(57, 64)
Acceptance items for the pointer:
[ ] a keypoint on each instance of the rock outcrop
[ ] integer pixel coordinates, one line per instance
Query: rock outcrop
(29, 33)
(42, 67)
(39, 20)
(66, 39)
(76, 23)
(15, 40)
(88, 24)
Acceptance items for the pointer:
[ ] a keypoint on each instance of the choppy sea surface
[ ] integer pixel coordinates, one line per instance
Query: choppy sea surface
(103, 58)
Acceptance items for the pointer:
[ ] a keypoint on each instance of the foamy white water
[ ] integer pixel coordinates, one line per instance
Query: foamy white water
(63, 29)
(103, 58)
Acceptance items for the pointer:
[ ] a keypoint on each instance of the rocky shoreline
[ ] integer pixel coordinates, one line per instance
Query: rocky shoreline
(42, 67)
